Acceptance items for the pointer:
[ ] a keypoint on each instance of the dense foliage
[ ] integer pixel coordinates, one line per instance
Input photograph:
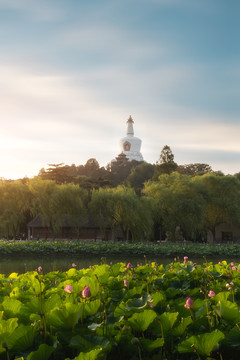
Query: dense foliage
(146, 201)
(181, 311)
(74, 247)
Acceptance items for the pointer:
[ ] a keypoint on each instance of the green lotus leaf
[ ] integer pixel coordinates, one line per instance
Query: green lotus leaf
(115, 269)
(138, 303)
(168, 320)
(117, 295)
(172, 293)
(36, 283)
(158, 297)
(91, 308)
(114, 283)
(67, 317)
(228, 311)
(31, 307)
(100, 270)
(51, 303)
(120, 310)
(91, 355)
(13, 275)
(137, 290)
(222, 296)
(12, 307)
(21, 338)
(43, 353)
(131, 306)
(88, 342)
(215, 274)
(150, 345)
(15, 292)
(233, 338)
(204, 344)
(141, 321)
(71, 272)
(6, 329)
(103, 279)
(181, 328)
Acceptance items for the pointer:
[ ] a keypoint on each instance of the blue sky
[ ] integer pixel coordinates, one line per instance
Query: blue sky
(71, 73)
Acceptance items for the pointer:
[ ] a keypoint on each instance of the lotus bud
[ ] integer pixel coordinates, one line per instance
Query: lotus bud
(189, 304)
(68, 288)
(86, 293)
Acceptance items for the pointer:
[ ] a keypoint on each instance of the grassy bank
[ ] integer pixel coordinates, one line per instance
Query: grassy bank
(75, 247)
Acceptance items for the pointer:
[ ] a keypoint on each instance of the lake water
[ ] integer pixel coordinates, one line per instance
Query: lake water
(23, 264)
(62, 263)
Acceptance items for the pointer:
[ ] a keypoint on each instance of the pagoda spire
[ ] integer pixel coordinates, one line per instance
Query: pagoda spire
(130, 122)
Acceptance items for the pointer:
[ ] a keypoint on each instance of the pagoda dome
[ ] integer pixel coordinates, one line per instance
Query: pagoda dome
(130, 145)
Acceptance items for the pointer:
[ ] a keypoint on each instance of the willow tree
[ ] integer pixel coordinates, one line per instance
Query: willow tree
(222, 200)
(15, 201)
(57, 202)
(121, 207)
(177, 204)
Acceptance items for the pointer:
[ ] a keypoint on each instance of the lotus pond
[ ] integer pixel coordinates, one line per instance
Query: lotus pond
(178, 311)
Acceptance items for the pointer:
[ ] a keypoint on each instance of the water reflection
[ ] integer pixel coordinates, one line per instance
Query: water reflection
(23, 264)
(60, 263)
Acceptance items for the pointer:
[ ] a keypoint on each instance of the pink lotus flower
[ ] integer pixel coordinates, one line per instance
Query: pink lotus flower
(126, 283)
(232, 263)
(151, 305)
(74, 265)
(86, 293)
(234, 268)
(185, 259)
(39, 269)
(189, 304)
(211, 293)
(129, 265)
(230, 285)
(68, 288)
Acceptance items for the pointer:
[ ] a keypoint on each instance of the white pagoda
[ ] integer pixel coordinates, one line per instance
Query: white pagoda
(130, 145)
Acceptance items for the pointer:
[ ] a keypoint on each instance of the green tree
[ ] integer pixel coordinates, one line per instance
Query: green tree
(166, 156)
(91, 167)
(121, 207)
(194, 169)
(222, 200)
(237, 175)
(120, 169)
(139, 174)
(166, 163)
(56, 203)
(177, 205)
(56, 172)
(15, 202)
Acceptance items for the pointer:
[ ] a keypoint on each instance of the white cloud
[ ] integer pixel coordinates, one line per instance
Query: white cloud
(115, 42)
(37, 10)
